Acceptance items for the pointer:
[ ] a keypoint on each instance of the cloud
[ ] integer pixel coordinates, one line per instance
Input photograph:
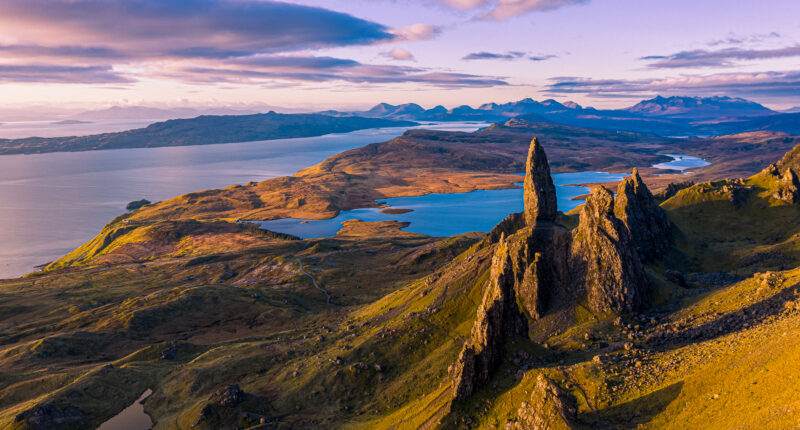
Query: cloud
(323, 69)
(159, 26)
(399, 54)
(61, 74)
(209, 41)
(510, 55)
(542, 57)
(501, 10)
(717, 58)
(737, 39)
(416, 32)
(483, 55)
(70, 51)
(505, 9)
(767, 84)
(466, 4)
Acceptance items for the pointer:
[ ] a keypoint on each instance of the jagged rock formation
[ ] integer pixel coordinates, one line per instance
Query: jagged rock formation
(527, 268)
(649, 227)
(550, 408)
(498, 318)
(785, 171)
(605, 259)
(537, 269)
(540, 193)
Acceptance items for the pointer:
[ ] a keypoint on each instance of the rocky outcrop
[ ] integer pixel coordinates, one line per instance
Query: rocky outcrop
(605, 261)
(540, 267)
(788, 188)
(650, 229)
(231, 407)
(539, 191)
(498, 318)
(527, 277)
(550, 408)
(50, 416)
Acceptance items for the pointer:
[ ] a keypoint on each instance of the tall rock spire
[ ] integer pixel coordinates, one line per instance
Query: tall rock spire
(539, 191)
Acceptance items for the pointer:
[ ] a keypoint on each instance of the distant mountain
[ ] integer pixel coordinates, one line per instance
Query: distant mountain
(666, 116)
(795, 109)
(699, 107)
(486, 112)
(203, 130)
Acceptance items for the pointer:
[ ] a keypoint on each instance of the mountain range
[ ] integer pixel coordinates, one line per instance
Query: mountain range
(669, 116)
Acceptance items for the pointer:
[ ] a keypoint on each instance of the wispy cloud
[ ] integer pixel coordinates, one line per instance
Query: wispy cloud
(483, 55)
(738, 39)
(61, 74)
(501, 10)
(505, 9)
(769, 84)
(264, 69)
(718, 58)
(509, 55)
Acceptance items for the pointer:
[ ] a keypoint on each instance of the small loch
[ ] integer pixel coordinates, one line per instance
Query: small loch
(131, 418)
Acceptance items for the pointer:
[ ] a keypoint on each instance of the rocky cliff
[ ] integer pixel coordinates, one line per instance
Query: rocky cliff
(649, 227)
(605, 260)
(498, 318)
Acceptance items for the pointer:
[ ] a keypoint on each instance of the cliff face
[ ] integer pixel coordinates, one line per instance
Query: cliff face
(498, 318)
(605, 259)
(649, 227)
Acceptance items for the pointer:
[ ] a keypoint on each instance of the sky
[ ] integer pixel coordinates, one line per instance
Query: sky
(351, 54)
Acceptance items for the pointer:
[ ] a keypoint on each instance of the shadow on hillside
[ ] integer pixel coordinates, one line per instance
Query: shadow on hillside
(631, 414)
(730, 322)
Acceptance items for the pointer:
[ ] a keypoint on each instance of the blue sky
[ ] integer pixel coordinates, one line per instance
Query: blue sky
(309, 54)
